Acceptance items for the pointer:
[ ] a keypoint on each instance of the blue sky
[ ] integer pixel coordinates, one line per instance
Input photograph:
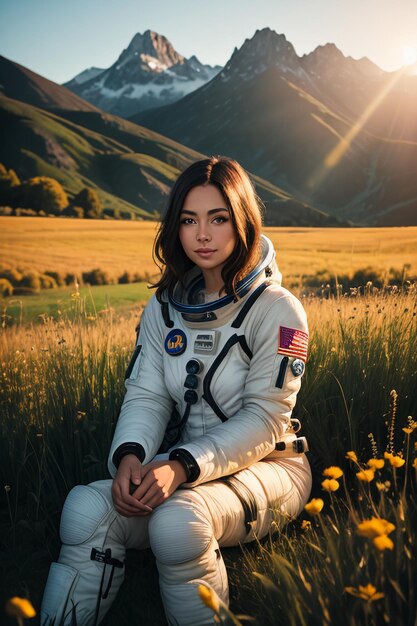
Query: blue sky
(58, 38)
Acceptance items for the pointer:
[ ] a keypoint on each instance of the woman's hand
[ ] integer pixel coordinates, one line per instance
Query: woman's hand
(159, 481)
(129, 473)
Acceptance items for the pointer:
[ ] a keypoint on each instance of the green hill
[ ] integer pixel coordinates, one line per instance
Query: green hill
(131, 167)
(40, 143)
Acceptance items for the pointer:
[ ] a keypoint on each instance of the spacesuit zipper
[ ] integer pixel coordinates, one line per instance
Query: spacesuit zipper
(281, 373)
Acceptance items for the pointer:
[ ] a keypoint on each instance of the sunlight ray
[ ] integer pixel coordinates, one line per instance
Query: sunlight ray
(333, 158)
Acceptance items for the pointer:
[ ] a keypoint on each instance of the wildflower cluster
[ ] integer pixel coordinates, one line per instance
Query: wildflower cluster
(331, 483)
(377, 529)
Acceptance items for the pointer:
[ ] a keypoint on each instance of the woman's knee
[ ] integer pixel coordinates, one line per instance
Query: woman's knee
(84, 511)
(180, 530)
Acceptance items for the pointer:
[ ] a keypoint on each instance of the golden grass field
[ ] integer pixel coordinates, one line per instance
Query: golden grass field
(69, 245)
(61, 383)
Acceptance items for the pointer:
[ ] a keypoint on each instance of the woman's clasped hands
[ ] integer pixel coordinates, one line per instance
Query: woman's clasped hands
(137, 489)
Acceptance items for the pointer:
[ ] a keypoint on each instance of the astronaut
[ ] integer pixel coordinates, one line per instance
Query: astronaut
(205, 453)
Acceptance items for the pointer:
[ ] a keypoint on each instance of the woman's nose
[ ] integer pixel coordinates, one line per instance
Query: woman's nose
(203, 234)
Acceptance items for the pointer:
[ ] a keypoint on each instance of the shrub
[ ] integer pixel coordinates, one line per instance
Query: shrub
(11, 274)
(8, 178)
(31, 280)
(57, 277)
(71, 278)
(6, 288)
(125, 278)
(47, 282)
(90, 202)
(113, 214)
(41, 193)
(25, 213)
(6, 210)
(78, 212)
(97, 277)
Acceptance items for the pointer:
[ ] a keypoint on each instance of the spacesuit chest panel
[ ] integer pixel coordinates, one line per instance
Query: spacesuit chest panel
(223, 356)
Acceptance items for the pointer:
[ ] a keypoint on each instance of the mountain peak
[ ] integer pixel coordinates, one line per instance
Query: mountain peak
(325, 57)
(268, 33)
(265, 49)
(148, 73)
(152, 44)
(326, 53)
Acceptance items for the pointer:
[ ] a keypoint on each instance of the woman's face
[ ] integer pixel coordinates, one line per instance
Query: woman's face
(206, 232)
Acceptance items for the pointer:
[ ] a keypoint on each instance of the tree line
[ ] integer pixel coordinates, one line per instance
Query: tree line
(44, 196)
(24, 281)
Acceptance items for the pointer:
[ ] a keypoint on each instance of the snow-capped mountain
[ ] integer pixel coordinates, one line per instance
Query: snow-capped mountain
(147, 74)
(282, 115)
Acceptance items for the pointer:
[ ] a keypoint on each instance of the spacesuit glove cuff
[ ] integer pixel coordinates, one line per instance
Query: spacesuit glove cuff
(128, 448)
(188, 462)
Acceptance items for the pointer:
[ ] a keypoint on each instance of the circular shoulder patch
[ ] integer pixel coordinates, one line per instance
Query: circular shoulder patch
(175, 342)
(297, 367)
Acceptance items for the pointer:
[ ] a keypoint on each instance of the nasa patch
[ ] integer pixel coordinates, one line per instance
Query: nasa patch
(175, 342)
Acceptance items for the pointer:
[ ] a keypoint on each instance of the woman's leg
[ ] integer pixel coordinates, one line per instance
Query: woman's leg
(186, 531)
(90, 568)
(186, 550)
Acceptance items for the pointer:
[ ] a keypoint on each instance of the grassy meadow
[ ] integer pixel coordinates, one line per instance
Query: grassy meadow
(64, 245)
(351, 562)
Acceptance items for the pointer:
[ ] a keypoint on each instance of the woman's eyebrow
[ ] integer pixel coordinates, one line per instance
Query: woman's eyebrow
(210, 212)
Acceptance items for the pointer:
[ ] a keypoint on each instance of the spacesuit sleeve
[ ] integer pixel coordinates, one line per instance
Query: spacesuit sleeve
(147, 405)
(268, 397)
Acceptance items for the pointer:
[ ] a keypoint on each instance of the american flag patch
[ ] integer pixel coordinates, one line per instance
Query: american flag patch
(293, 342)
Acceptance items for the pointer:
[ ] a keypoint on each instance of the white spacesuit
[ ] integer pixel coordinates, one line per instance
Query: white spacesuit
(213, 385)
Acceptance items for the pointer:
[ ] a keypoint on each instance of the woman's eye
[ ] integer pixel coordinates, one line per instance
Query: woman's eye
(220, 220)
(187, 220)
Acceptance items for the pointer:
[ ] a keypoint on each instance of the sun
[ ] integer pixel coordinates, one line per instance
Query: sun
(409, 55)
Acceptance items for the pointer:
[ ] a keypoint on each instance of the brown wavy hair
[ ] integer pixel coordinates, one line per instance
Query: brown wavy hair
(245, 212)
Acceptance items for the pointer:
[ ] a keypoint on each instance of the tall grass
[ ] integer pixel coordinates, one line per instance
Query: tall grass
(61, 387)
(318, 571)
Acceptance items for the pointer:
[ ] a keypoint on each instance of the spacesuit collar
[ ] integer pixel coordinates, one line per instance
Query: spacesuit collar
(183, 299)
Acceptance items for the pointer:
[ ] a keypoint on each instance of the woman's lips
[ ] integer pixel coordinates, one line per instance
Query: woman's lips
(204, 252)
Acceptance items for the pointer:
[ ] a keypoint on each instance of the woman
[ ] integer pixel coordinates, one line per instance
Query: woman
(204, 453)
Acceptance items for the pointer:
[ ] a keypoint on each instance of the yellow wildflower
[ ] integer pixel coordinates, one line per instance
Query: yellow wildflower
(383, 542)
(376, 463)
(383, 486)
(408, 431)
(351, 455)
(415, 463)
(209, 597)
(375, 527)
(330, 484)
(305, 524)
(333, 472)
(396, 461)
(366, 475)
(314, 506)
(388, 455)
(20, 608)
(368, 593)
